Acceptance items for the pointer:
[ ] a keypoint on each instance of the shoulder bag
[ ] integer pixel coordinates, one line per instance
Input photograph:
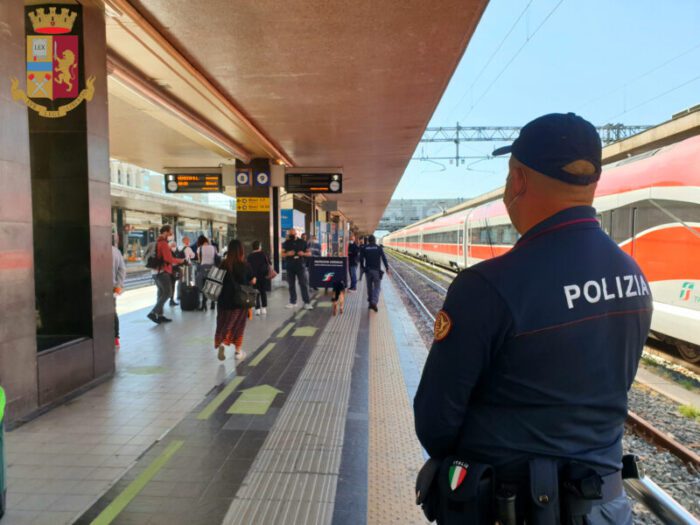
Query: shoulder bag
(213, 283)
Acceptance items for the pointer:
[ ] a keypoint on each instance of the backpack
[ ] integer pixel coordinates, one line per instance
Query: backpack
(153, 262)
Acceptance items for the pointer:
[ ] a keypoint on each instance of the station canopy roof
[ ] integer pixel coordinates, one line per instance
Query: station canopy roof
(308, 83)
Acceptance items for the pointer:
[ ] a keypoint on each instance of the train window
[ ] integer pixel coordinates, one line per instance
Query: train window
(605, 219)
(510, 235)
(442, 237)
(621, 226)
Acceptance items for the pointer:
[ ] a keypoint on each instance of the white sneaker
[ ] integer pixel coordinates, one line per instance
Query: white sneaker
(308, 306)
(264, 311)
(290, 306)
(257, 311)
(239, 356)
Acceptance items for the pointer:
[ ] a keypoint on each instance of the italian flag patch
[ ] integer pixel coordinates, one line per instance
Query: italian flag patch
(458, 471)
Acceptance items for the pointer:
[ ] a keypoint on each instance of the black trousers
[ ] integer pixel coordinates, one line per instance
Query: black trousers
(261, 299)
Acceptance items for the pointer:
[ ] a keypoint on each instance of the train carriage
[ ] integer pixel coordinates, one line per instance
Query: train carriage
(649, 204)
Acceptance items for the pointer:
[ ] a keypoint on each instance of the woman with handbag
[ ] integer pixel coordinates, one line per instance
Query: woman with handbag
(263, 272)
(206, 258)
(234, 302)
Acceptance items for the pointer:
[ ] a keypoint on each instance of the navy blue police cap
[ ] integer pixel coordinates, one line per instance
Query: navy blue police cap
(551, 142)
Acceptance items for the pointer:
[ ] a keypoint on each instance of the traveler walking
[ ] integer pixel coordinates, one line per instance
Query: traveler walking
(353, 257)
(206, 258)
(232, 311)
(372, 258)
(176, 271)
(163, 277)
(294, 250)
(118, 276)
(260, 266)
(528, 374)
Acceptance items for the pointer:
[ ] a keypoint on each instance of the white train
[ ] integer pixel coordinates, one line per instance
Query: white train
(650, 206)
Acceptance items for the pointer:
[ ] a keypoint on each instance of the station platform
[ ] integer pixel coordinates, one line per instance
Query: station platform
(314, 427)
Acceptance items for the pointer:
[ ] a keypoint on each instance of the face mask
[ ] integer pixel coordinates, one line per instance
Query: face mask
(170, 238)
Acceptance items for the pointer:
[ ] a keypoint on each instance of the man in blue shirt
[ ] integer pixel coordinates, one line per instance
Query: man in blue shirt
(535, 351)
(372, 257)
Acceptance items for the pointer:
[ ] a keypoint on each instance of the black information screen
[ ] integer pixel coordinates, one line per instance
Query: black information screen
(313, 182)
(193, 183)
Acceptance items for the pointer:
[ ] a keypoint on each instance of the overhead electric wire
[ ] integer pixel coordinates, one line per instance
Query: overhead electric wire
(639, 77)
(652, 99)
(505, 68)
(488, 62)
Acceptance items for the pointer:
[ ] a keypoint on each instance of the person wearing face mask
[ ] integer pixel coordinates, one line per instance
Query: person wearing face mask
(294, 251)
(525, 386)
(164, 273)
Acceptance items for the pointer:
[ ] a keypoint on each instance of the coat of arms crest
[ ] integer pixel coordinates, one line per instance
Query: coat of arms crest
(52, 64)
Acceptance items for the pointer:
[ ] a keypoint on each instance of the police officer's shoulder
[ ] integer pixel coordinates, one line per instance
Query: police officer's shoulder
(472, 283)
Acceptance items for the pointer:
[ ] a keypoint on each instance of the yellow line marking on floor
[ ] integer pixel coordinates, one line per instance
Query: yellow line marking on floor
(261, 355)
(395, 455)
(219, 399)
(300, 314)
(119, 503)
(305, 331)
(285, 330)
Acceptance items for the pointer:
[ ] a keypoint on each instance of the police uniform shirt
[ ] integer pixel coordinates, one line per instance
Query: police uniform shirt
(373, 255)
(535, 350)
(294, 245)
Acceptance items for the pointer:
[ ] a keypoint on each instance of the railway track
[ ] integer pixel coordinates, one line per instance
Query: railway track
(427, 308)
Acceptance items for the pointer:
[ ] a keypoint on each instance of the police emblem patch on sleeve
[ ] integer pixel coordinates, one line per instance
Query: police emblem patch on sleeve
(443, 325)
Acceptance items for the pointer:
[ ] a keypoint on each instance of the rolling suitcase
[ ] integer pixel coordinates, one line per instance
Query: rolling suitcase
(189, 297)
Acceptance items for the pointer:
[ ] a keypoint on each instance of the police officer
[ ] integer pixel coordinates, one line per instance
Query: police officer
(294, 250)
(371, 260)
(534, 351)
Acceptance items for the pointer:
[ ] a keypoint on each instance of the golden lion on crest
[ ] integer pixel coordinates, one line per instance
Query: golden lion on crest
(64, 70)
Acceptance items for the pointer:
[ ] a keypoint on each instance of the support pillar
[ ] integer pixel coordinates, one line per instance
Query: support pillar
(57, 145)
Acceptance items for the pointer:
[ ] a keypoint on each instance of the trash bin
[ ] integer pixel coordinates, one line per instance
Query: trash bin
(3, 490)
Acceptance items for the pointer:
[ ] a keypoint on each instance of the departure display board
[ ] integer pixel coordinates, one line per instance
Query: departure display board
(193, 183)
(313, 182)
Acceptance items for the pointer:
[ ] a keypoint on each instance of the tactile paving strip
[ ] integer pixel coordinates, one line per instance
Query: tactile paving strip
(395, 455)
(293, 479)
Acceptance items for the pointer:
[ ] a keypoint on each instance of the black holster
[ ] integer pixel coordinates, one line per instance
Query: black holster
(470, 502)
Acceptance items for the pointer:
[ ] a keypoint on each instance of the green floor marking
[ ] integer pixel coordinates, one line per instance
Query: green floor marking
(300, 314)
(254, 401)
(324, 304)
(285, 330)
(115, 508)
(261, 355)
(305, 331)
(216, 402)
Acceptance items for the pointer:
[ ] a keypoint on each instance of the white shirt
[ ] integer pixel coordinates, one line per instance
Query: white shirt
(207, 253)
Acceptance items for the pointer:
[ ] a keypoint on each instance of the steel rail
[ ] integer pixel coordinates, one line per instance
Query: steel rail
(655, 436)
(434, 285)
(414, 298)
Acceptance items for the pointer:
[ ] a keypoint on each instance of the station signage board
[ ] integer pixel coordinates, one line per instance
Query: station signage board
(313, 182)
(261, 204)
(193, 183)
